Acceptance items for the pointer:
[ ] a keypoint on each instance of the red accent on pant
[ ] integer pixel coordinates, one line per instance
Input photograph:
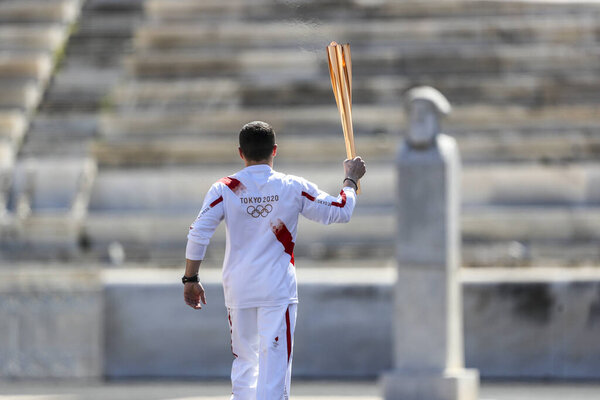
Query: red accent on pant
(288, 334)
(231, 332)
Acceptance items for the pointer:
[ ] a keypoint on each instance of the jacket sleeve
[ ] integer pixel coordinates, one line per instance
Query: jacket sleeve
(204, 226)
(321, 207)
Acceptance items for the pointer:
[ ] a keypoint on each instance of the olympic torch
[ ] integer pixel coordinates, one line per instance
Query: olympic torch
(340, 72)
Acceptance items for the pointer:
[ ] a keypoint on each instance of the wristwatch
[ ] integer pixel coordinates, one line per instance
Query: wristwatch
(186, 279)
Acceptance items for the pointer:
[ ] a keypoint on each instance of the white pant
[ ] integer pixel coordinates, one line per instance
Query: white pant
(262, 344)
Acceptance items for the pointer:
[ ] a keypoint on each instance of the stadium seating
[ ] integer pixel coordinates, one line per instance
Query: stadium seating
(33, 35)
(159, 111)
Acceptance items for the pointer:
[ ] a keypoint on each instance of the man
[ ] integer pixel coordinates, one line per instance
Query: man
(261, 207)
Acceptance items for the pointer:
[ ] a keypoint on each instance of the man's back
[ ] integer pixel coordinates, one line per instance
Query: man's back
(261, 208)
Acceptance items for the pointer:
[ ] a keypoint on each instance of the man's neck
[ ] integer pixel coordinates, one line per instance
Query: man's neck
(263, 162)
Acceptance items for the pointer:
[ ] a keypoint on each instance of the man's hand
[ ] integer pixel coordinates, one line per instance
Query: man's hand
(355, 168)
(194, 295)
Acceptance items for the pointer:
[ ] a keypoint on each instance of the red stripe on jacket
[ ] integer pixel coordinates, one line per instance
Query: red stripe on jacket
(233, 184)
(308, 196)
(343, 203)
(284, 236)
(334, 204)
(217, 201)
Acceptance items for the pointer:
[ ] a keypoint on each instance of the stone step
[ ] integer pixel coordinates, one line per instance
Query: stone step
(44, 147)
(552, 135)
(542, 146)
(72, 101)
(32, 38)
(530, 253)
(25, 66)
(7, 162)
(282, 65)
(320, 120)
(517, 89)
(531, 223)
(532, 236)
(573, 30)
(101, 38)
(114, 6)
(212, 10)
(168, 190)
(52, 184)
(60, 135)
(23, 95)
(79, 89)
(13, 125)
(63, 127)
(30, 11)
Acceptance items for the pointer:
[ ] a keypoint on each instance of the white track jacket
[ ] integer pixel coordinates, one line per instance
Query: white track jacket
(261, 207)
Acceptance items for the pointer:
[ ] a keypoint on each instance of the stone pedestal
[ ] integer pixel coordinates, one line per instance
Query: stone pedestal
(428, 336)
(462, 384)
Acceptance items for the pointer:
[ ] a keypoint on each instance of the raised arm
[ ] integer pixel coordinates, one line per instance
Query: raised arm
(326, 209)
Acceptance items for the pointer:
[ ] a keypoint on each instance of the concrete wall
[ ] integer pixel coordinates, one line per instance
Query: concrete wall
(50, 324)
(342, 329)
(518, 324)
(530, 323)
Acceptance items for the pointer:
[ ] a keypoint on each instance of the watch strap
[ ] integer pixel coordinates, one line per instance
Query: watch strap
(186, 279)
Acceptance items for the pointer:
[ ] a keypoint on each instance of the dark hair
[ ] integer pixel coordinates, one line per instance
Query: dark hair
(257, 139)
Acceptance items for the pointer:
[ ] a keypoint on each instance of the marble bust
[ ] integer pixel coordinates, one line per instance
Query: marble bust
(425, 107)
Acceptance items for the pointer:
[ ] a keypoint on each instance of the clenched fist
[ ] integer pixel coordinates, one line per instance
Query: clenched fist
(355, 168)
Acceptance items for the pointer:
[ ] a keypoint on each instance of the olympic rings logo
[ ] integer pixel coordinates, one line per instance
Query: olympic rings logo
(259, 211)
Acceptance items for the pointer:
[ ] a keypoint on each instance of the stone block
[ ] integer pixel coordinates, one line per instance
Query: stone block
(7, 157)
(519, 324)
(334, 319)
(239, 35)
(24, 96)
(491, 128)
(267, 65)
(51, 184)
(534, 323)
(40, 38)
(39, 11)
(53, 128)
(52, 324)
(169, 190)
(12, 127)
(488, 185)
(148, 331)
(516, 89)
(259, 10)
(25, 66)
(449, 386)
(416, 63)
(531, 185)
(492, 235)
(531, 223)
(140, 148)
(286, 121)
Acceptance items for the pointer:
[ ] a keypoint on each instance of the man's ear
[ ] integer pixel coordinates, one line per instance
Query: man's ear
(241, 153)
(274, 150)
